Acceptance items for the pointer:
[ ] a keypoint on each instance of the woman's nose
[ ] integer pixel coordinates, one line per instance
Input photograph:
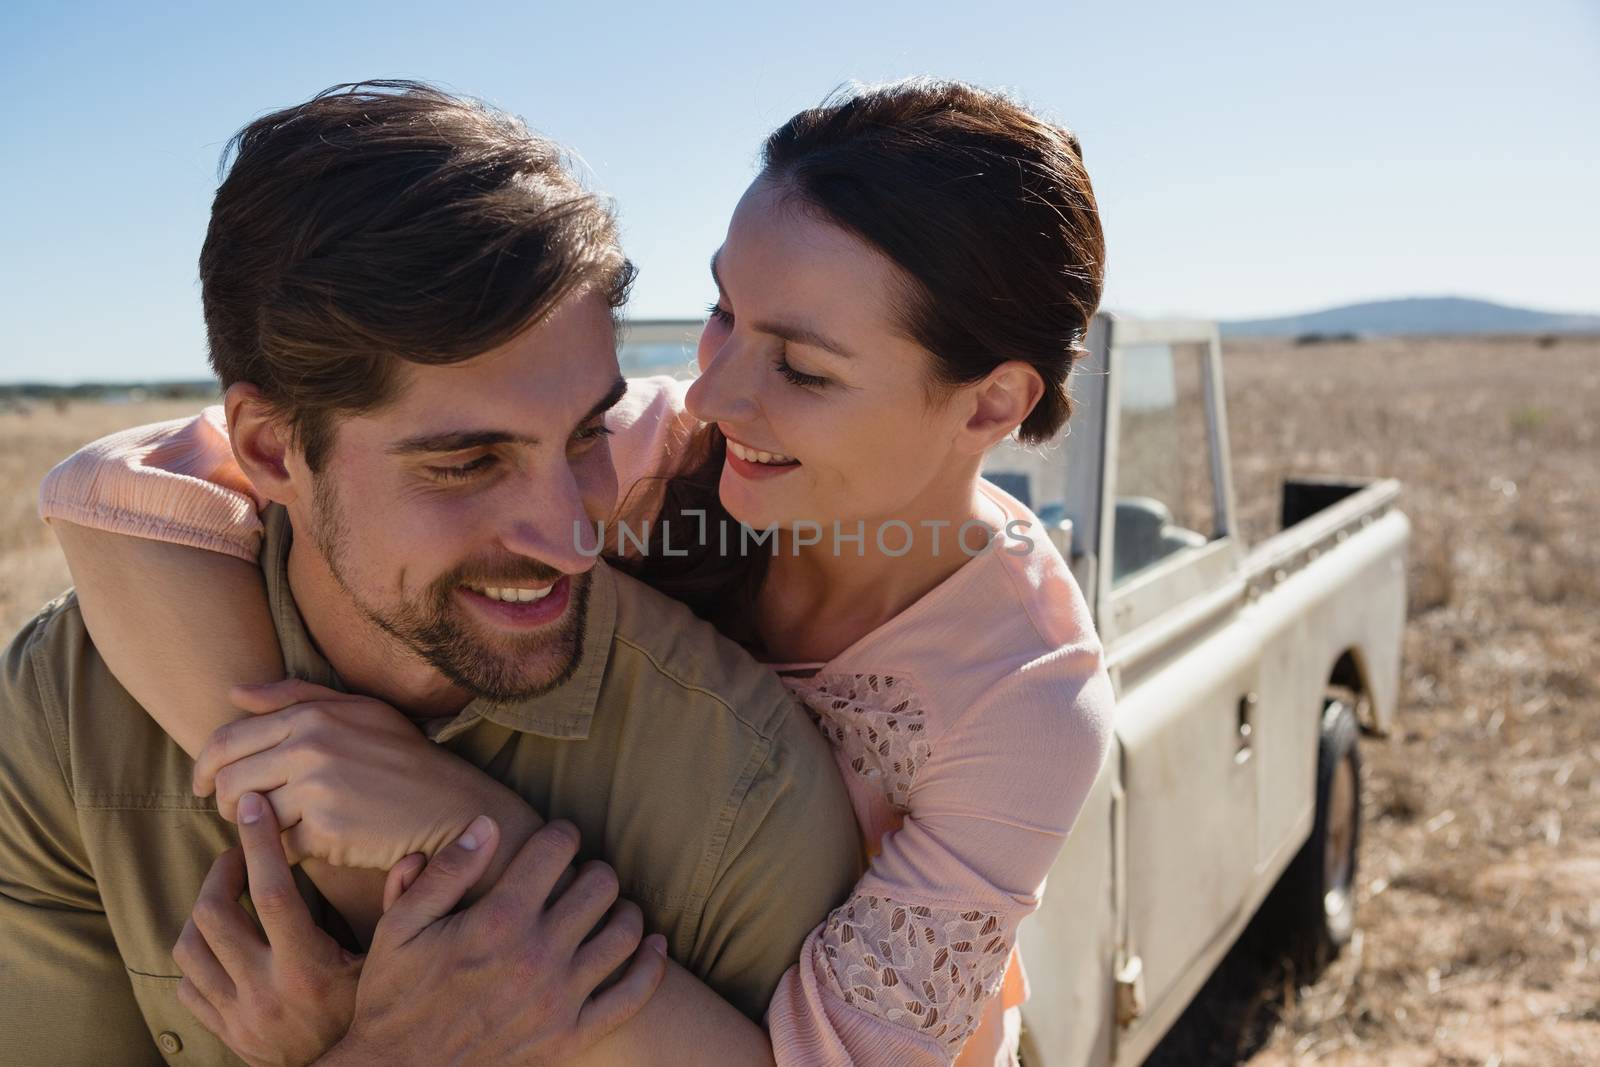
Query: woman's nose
(726, 388)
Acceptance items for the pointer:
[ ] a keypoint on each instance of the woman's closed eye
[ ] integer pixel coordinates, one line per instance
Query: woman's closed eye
(797, 377)
(721, 316)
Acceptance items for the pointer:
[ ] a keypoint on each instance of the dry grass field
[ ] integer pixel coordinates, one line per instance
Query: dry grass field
(1478, 905)
(1479, 890)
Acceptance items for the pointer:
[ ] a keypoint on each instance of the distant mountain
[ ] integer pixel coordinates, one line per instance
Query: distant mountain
(1441, 314)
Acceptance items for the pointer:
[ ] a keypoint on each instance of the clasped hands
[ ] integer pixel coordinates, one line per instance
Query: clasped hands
(519, 976)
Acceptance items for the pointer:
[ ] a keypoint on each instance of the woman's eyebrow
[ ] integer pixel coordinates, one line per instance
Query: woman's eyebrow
(795, 334)
(803, 335)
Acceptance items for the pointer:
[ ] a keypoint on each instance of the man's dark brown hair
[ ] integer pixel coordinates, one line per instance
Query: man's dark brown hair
(388, 221)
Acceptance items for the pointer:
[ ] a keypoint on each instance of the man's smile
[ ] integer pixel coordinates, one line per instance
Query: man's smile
(522, 607)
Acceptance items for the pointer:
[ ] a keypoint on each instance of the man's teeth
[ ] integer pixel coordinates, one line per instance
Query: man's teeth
(751, 455)
(513, 596)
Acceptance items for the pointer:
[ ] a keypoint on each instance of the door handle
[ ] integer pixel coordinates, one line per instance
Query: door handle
(1246, 727)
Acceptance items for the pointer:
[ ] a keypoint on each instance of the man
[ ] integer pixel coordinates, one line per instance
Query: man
(410, 304)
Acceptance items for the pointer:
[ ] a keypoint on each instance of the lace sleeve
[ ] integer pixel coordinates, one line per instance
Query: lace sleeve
(903, 971)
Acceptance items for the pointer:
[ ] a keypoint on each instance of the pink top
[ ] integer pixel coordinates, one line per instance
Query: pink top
(968, 729)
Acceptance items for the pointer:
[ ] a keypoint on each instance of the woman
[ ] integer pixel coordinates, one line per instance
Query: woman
(907, 282)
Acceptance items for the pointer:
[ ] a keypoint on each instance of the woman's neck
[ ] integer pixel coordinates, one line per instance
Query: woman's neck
(817, 601)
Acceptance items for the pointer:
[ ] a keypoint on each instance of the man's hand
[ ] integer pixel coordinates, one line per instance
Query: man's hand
(351, 780)
(282, 999)
(511, 979)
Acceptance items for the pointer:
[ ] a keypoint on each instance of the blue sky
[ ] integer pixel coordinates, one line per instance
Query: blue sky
(1249, 159)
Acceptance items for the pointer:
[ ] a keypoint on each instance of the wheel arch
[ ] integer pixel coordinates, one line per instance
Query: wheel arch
(1349, 679)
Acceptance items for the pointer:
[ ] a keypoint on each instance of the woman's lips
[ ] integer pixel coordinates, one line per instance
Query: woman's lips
(745, 469)
(751, 468)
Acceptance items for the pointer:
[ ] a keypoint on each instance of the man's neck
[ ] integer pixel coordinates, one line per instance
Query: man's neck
(368, 660)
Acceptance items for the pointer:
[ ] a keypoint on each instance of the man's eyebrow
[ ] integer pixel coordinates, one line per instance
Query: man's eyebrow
(800, 335)
(612, 398)
(461, 440)
(456, 441)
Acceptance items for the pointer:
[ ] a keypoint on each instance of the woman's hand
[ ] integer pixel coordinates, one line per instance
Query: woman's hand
(279, 999)
(351, 780)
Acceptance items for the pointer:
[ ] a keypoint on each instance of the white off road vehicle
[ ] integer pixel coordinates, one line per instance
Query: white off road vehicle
(1243, 675)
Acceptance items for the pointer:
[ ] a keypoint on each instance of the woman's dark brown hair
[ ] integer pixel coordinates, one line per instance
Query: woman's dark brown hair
(986, 209)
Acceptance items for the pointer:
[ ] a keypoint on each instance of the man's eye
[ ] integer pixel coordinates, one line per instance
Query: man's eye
(464, 470)
(593, 433)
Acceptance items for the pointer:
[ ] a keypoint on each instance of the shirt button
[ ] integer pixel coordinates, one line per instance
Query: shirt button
(170, 1042)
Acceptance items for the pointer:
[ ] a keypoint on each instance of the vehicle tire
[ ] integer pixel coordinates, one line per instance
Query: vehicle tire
(1314, 902)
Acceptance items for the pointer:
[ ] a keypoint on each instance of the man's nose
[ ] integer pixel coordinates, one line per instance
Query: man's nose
(552, 525)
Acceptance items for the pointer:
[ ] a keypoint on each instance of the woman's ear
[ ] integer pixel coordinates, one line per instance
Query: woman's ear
(261, 442)
(1000, 403)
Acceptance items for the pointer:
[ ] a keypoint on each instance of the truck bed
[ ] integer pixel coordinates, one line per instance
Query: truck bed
(1317, 514)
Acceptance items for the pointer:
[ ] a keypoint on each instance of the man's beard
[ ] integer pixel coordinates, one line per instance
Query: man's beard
(502, 669)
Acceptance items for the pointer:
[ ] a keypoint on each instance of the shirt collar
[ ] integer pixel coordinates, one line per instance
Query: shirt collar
(563, 712)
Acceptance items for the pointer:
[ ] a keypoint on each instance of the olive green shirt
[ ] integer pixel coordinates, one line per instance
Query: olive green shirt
(684, 764)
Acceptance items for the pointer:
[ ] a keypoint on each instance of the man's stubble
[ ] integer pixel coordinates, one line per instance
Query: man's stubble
(432, 628)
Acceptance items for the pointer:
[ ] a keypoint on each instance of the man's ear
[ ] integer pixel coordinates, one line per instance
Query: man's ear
(999, 404)
(261, 442)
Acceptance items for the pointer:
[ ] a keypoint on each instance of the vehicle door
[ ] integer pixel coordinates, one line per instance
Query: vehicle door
(1185, 669)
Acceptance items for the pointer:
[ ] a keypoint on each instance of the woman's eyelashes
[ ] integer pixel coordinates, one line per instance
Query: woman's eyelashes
(723, 317)
(797, 377)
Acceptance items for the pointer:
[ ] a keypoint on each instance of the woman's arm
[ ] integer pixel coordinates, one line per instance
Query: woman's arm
(160, 529)
(684, 1022)
(179, 656)
(913, 964)
(178, 626)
